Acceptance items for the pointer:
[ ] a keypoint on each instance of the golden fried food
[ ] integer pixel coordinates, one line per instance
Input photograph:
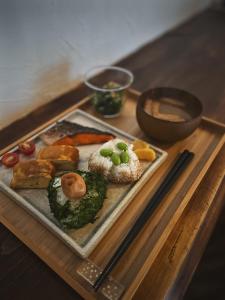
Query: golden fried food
(64, 157)
(32, 174)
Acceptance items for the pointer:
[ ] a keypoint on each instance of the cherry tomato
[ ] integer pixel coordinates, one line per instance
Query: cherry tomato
(10, 159)
(27, 148)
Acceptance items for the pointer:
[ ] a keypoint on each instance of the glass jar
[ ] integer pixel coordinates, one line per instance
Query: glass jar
(109, 84)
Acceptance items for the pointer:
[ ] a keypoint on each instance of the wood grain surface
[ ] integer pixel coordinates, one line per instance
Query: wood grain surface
(167, 272)
(189, 57)
(139, 258)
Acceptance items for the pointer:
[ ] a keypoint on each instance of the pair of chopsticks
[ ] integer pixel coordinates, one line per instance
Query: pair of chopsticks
(179, 166)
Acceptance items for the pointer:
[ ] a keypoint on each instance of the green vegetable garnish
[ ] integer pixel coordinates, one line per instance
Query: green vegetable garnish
(70, 216)
(106, 152)
(115, 158)
(122, 146)
(108, 103)
(124, 157)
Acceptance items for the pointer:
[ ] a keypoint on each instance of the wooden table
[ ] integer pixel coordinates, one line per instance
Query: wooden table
(190, 57)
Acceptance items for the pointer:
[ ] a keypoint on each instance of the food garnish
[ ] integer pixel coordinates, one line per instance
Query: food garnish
(122, 146)
(116, 161)
(73, 186)
(146, 154)
(124, 157)
(109, 102)
(76, 214)
(115, 158)
(106, 152)
(139, 144)
(73, 134)
(27, 148)
(10, 159)
(143, 150)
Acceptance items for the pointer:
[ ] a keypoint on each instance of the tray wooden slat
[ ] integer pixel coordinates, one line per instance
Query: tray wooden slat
(165, 278)
(206, 142)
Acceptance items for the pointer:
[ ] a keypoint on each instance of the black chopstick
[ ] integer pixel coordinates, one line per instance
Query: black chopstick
(179, 166)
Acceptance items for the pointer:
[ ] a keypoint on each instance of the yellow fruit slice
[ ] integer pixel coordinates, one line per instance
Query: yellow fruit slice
(138, 144)
(145, 154)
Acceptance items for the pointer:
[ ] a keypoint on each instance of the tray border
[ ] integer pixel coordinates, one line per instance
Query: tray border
(89, 247)
(129, 293)
(26, 238)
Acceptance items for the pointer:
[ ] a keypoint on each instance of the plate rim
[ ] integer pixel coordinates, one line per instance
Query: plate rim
(102, 231)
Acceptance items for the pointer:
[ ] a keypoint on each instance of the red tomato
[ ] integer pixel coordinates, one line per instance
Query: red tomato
(27, 148)
(10, 159)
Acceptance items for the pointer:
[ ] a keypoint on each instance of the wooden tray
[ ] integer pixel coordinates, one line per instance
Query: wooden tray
(206, 142)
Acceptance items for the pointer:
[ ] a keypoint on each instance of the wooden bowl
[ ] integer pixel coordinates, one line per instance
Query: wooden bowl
(181, 116)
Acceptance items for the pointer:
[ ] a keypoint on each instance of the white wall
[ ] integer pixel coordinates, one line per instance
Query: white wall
(46, 45)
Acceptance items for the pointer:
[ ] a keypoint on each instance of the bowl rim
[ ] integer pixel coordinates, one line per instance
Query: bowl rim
(105, 68)
(143, 98)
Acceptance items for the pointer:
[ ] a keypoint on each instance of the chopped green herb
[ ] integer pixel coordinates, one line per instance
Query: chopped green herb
(108, 103)
(70, 216)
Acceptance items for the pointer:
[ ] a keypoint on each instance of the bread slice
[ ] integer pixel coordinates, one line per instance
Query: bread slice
(64, 157)
(32, 174)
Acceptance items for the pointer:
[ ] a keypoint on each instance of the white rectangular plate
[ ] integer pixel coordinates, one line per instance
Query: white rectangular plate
(83, 240)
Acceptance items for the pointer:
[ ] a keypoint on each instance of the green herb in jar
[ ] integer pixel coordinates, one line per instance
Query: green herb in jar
(108, 103)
